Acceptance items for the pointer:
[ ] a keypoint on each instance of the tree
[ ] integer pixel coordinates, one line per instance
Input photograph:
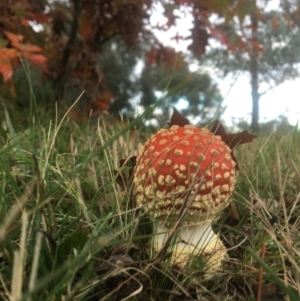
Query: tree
(118, 64)
(142, 86)
(267, 47)
(74, 33)
(199, 91)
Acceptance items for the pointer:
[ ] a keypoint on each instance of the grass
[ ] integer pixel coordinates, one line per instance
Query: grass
(68, 231)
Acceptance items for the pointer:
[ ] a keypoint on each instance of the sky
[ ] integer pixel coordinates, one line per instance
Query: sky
(282, 100)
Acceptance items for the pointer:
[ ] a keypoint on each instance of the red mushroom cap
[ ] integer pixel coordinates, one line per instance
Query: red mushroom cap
(182, 160)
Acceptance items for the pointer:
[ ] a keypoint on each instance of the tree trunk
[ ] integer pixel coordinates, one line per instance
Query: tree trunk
(255, 94)
(61, 77)
(254, 73)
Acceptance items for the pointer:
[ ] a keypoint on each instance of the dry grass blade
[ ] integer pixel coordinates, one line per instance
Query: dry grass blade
(16, 211)
(130, 278)
(35, 261)
(281, 187)
(176, 282)
(19, 261)
(260, 275)
(295, 169)
(57, 128)
(81, 201)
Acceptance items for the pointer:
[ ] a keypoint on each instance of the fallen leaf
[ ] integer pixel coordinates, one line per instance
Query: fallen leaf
(178, 119)
(232, 140)
(232, 215)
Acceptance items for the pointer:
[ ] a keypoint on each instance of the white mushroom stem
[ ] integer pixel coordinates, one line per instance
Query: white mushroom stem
(193, 240)
(190, 236)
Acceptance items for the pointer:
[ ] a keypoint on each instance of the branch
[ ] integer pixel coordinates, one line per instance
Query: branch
(100, 30)
(268, 90)
(108, 38)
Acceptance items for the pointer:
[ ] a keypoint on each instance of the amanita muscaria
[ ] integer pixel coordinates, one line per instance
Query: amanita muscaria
(186, 165)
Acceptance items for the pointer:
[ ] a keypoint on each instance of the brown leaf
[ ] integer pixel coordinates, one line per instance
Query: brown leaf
(270, 291)
(178, 119)
(232, 214)
(232, 140)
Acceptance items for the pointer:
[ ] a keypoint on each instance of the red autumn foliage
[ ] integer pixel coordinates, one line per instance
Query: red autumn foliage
(73, 34)
(15, 31)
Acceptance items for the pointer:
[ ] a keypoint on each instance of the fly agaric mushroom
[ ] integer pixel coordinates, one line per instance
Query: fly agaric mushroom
(186, 162)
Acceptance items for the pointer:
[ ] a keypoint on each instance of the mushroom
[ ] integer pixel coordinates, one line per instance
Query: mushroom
(186, 165)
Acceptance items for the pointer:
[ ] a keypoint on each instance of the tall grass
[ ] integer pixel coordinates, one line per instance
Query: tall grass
(70, 231)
